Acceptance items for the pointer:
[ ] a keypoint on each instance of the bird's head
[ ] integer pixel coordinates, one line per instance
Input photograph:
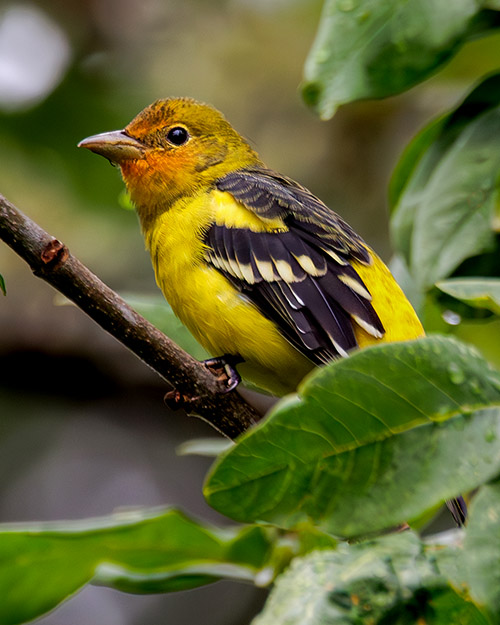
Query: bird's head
(174, 148)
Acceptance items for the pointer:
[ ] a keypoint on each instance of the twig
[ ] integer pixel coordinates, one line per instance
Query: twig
(196, 388)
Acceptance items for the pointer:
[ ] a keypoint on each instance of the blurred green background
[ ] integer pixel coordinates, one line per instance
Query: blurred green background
(82, 423)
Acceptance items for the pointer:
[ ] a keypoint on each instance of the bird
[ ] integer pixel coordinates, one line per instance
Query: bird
(260, 270)
(264, 274)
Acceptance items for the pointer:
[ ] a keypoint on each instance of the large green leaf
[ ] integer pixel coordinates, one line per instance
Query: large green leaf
(376, 48)
(346, 453)
(142, 551)
(445, 188)
(391, 580)
(477, 292)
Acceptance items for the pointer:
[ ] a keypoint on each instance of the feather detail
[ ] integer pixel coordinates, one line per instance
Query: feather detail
(356, 285)
(315, 312)
(294, 264)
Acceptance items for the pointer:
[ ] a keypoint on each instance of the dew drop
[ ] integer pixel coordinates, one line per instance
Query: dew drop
(475, 387)
(451, 318)
(457, 375)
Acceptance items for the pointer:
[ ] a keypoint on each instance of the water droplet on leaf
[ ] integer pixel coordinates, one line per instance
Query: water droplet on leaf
(475, 386)
(451, 318)
(457, 374)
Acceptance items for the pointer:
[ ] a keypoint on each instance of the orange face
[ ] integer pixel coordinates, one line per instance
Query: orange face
(159, 177)
(172, 149)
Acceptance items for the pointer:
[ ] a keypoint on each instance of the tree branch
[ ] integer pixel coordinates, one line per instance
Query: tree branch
(50, 260)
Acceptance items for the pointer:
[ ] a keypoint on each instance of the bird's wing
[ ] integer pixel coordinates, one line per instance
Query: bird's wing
(299, 276)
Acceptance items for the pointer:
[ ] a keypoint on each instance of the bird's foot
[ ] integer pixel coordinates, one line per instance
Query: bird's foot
(224, 367)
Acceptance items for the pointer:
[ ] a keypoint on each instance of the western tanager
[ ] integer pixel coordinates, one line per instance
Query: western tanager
(259, 269)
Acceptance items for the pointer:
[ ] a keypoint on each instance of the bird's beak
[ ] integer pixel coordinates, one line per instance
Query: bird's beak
(117, 146)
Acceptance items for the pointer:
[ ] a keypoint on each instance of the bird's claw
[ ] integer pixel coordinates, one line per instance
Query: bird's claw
(224, 367)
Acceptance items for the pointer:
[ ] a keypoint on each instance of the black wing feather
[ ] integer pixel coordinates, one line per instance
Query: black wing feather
(333, 321)
(241, 246)
(271, 195)
(300, 276)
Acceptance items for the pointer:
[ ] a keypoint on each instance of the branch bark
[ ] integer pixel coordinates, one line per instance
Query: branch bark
(51, 260)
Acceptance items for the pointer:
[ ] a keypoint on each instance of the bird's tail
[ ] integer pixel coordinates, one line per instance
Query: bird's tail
(458, 509)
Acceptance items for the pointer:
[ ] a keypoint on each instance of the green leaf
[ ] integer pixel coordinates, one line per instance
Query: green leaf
(390, 580)
(399, 270)
(481, 552)
(157, 310)
(411, 157)
(376, 48)
(445, 188)
(2, 285)
(346, 454)
(142, 551)
(476, 292)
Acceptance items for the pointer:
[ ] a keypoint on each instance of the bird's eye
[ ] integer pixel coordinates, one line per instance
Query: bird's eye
(177, 135)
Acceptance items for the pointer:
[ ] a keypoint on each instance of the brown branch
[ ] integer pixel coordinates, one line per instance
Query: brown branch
(195, 385)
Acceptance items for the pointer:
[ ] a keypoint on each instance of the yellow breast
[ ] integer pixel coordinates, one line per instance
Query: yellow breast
(220, 317)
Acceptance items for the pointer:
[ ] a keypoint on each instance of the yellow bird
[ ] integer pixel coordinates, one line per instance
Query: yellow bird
(259, 269)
